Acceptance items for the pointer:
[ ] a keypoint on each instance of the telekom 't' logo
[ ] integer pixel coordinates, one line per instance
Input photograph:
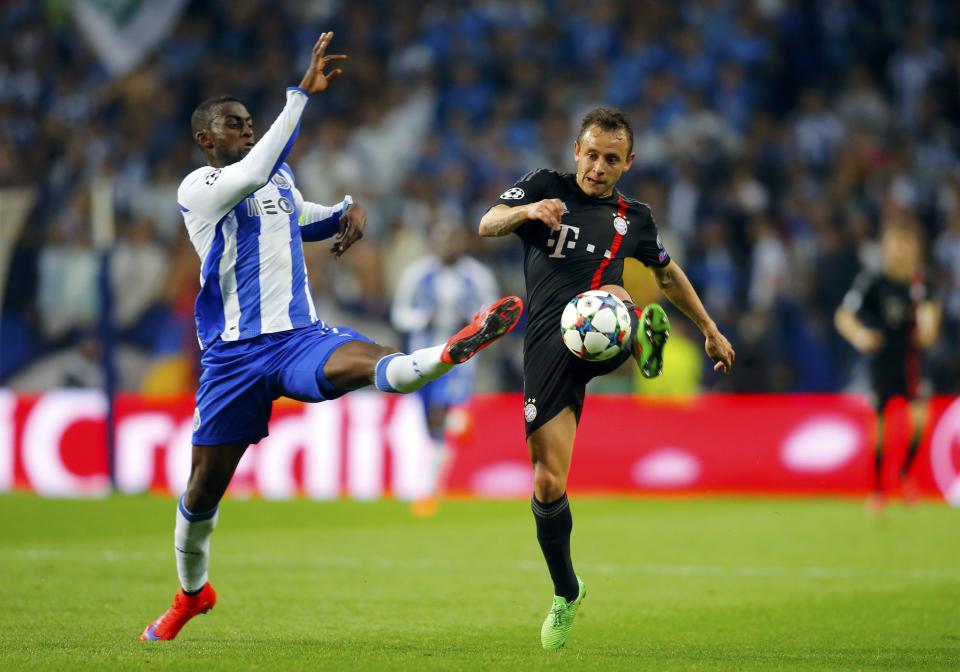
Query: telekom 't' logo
(561, 242)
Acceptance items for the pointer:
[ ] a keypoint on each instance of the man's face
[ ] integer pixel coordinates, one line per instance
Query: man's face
(449, 242)
(230, 136)
(602, 157)
(901, 251)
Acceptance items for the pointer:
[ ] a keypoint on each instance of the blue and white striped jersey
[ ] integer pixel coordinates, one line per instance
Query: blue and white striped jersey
(247, 221)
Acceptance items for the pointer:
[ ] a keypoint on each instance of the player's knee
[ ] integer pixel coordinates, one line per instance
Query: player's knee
(354, 365)
(548, 484)
(618, 292)
(205, 488)
(198, 499)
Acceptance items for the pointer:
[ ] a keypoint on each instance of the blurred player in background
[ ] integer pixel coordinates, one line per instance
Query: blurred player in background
(438, 294)
(577, 230)
(889, 317)
(257, 325)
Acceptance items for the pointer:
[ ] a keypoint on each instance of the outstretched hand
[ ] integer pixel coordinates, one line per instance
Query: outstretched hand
(315, 79)
(352, 223)
(718, 349)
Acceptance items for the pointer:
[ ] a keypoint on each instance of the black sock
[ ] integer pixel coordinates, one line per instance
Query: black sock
(554, 525)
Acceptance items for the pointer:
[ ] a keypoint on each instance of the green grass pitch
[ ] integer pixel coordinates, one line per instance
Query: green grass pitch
(674, 584)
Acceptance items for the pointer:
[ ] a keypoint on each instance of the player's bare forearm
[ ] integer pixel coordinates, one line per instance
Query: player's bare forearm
(675, 285)
(502, 219)
(861, 337)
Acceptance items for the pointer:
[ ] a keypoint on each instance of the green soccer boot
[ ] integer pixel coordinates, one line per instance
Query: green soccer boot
(653, 330)
(556, 627)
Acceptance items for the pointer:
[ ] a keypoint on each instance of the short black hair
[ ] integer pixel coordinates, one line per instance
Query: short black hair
(608, 119)
(203, 115)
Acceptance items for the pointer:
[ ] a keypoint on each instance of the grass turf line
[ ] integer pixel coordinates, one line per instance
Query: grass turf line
(698, 584)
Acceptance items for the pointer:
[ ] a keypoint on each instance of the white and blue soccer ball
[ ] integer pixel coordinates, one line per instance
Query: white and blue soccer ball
(595, 325)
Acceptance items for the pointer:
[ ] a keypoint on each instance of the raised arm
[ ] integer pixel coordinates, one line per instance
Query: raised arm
(675, 285)
(223, 188)
(217, 190)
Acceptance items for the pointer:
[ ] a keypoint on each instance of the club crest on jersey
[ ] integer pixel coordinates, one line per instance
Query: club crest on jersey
(620, 225)
(279, 180)
(513, 194)
(530, 410)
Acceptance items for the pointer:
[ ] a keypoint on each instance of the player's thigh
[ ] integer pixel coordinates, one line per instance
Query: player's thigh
(234, 400)
(322, 363)
(551, 444)
(353, 365)
(551, 451)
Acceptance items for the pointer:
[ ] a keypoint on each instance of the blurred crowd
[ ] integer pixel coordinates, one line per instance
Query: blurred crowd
(773, 138)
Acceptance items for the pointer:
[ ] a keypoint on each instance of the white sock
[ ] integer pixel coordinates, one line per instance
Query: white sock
(191, 542)
(407, 373)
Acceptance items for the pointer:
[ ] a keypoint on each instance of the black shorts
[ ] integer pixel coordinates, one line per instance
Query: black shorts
(554, 378)
(890, 381)
(882, 390)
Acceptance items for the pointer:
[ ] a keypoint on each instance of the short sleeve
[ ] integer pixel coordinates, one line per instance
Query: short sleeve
(528, 189)
(855, 299)
(532, 187)
(650, 250)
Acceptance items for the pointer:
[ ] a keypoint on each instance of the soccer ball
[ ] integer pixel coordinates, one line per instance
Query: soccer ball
(595, 325)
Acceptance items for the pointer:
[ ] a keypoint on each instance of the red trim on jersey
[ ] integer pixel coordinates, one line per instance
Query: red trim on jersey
(617, 239)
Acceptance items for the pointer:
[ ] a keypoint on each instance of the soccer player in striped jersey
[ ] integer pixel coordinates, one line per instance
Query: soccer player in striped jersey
(256, 322)
(577, 230)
